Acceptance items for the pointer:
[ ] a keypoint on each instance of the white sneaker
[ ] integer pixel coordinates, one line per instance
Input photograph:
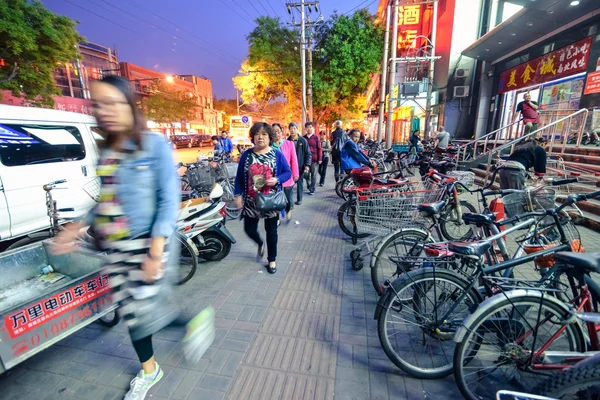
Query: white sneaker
(142, 383)
(200, 335)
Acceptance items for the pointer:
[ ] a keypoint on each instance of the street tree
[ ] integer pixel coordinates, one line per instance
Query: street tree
(272, 70)
(33, 41)
(228, 107)
(165, 104)
(350, 50)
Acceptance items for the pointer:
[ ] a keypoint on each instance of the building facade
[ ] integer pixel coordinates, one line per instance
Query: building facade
(550, 50)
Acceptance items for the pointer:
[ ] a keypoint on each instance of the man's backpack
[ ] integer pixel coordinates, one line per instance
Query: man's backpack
(338, 143)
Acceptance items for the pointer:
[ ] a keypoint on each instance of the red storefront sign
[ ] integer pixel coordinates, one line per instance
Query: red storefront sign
(410, 26)
(566, 61)
(592, 84)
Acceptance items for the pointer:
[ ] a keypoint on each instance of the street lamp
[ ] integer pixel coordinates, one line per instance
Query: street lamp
(169, 79)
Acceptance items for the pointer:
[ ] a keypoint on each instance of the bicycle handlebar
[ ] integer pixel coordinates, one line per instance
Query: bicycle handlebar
(60, 182)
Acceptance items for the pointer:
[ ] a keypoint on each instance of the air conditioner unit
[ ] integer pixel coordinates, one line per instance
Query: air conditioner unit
(461, 73)
(461, 91)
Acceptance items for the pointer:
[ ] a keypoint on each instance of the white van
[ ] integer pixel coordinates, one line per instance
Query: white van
(39, 146)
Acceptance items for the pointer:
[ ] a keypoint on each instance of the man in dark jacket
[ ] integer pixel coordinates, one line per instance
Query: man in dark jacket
(338, 139)
(316, 155)
(304, 158)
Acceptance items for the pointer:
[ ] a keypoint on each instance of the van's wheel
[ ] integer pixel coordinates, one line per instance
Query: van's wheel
(110, 319)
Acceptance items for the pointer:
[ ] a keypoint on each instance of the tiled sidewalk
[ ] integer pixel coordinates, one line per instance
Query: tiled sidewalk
(306, 332)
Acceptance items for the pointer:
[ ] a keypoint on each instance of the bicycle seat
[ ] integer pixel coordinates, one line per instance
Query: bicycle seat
(587, 262)
(479, 219)
(431, 208)
(470, 249)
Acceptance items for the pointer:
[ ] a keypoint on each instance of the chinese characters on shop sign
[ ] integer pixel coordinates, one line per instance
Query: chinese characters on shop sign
(410, 26)
(568, 60)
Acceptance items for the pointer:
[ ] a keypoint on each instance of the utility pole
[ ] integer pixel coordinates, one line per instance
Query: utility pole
(303, 63)
(237, 101)
(384, 73)
(305, 22)
(430, 72)
(393, 56)
(309, 93)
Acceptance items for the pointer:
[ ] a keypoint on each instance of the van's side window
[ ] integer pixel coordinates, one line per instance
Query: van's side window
(39, 144)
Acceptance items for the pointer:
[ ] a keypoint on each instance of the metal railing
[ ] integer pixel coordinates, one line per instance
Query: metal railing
(550, 129)
(493, 135)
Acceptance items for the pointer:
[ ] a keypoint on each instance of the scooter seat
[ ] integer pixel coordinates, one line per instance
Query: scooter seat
(479, 219)
(193, 202)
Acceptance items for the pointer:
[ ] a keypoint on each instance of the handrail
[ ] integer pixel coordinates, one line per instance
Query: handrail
(487, 135)
(512, 144)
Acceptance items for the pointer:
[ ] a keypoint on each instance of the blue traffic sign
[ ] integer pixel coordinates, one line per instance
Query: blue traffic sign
(245, 119)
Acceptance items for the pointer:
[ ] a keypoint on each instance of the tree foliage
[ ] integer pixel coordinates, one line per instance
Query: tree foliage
(272, 70)
(228, 107)
(33, 41)
(166, 105)
(348, 50)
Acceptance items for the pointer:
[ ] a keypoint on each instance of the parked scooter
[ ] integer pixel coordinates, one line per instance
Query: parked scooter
(202, 221)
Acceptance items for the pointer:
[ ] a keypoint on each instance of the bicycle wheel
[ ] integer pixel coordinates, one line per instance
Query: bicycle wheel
(417, 334)
(577, 383)
(347, 183)
(495, 352)
(454, 228)
(188, 261)
(347, 219)
(385, 261)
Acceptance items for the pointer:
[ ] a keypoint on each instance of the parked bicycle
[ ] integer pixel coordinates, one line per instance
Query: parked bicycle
(430, 302)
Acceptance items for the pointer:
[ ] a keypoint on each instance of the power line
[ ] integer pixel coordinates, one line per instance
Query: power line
(235, 11)
(271, 7)
(253, 6)
(264, 8)
(104, 18)
(183, 30)
(367, 6)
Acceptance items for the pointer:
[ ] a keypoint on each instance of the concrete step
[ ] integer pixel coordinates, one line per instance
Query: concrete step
(582, 150)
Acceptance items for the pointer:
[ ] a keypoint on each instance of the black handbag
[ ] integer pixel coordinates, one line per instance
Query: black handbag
(271, 202)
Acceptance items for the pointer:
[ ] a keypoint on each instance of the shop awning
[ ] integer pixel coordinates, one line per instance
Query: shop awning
(532, 23)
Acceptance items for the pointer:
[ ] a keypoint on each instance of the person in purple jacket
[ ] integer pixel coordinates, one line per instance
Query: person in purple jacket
(261, 169)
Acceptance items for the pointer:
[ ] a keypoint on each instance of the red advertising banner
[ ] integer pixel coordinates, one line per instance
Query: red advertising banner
(566, 61)
(53, 307)
(592, 84)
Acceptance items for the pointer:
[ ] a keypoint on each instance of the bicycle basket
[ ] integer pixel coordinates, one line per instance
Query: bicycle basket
(231, 169)
(548, 236)
(219, 171)
(528, 201)
(201, 177)
(92, 188)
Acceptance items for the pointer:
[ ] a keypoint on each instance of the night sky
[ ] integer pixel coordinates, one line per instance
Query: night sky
(200, 37)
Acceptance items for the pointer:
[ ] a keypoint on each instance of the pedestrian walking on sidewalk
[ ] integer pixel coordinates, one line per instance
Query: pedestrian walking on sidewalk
(304, 158)
(338, 139)
(326, 147)
(261, 169)
(289, 152)
(529, 111)
(316, 155)
(133, 223)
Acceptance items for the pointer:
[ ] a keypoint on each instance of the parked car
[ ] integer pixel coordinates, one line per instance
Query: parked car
(39, 146)
(179, 141)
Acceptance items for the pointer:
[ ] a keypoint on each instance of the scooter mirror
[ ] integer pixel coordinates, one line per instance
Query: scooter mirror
(216, 192)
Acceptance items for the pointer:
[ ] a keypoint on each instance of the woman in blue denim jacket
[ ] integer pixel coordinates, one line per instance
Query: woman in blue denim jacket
(133, 221)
